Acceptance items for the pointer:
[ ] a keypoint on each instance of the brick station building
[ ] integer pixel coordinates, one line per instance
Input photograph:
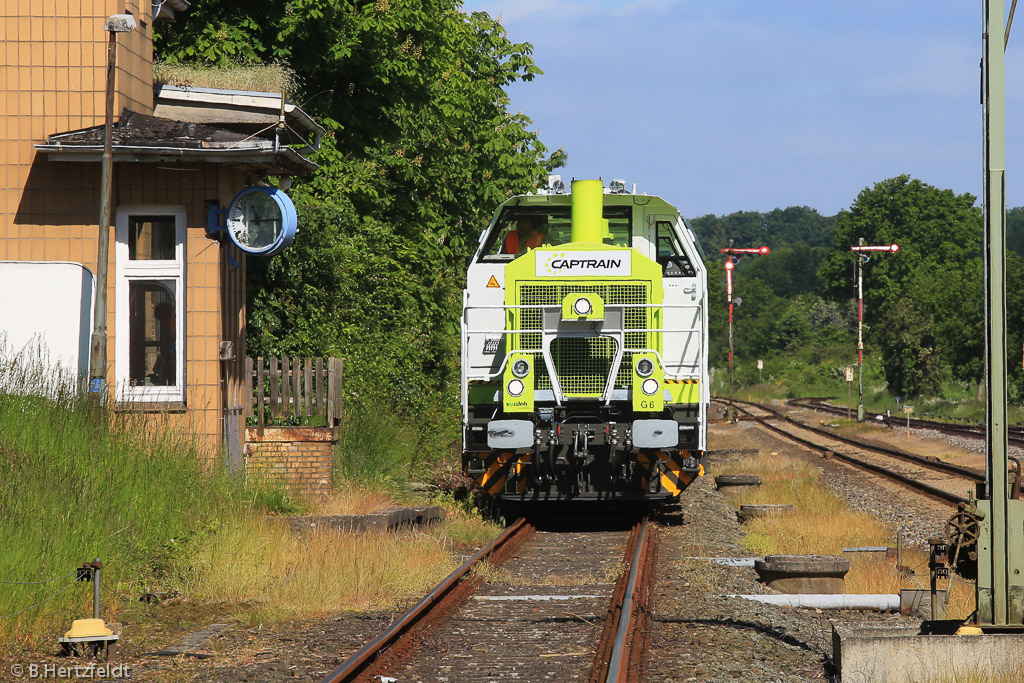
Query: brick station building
(176, 291)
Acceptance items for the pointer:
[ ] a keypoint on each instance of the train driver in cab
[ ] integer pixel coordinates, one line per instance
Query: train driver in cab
(529, 234)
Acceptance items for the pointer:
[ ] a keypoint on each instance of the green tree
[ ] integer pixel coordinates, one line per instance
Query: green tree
(1015, 230)
(934, 279)
(412, 94)
(794, 226)
(908, 343)
(1015, 324)
(421, 147)
(936, 230)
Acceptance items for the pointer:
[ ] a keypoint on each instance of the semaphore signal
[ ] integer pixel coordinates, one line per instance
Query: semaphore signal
(885, 249)
(729, 265)
(871, 247)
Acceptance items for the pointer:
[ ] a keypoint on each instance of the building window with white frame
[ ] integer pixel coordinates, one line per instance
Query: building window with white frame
(150, 305)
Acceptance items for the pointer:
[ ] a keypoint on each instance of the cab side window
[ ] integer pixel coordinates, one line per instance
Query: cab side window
(671, 255)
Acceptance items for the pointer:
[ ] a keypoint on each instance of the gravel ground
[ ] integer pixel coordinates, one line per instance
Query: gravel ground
(917, 517)
(700, 635)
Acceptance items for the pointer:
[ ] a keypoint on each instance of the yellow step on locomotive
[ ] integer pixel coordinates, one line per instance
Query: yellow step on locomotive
(584, 348)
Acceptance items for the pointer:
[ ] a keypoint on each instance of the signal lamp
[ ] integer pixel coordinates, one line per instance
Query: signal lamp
(650, 386)
(644, 367)
(515, 387)
(582, 306)
(521, 368)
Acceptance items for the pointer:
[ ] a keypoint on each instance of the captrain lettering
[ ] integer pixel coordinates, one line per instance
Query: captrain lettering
(586, 263)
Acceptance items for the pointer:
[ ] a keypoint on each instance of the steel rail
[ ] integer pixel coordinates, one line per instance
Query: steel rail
(920, 487)
(892, 452)
(357, 662)
(620, 654)
(977, 430)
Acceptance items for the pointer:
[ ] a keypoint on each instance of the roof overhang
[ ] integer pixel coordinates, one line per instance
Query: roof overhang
(141, 138)
(229, 108)
(284, 161)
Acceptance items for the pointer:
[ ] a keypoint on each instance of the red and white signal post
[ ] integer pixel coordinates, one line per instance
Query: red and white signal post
(729, 265)
(861, 249)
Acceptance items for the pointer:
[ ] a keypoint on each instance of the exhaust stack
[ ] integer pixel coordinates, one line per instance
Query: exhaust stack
(587, 211)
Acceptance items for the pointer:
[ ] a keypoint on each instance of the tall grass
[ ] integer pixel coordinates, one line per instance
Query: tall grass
(258, 561)
(377, 447)
(819, 371)
(276, 77)
(821, 522)
(77, 482)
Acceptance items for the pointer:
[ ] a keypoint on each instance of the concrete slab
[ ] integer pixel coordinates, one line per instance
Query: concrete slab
(429, 515)
(917, 602)
(193, 642)
(803, 573)
(386, 520)
(897, 653)
(749, 512)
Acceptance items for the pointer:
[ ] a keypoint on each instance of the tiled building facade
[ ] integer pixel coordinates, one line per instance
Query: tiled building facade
(52, 80)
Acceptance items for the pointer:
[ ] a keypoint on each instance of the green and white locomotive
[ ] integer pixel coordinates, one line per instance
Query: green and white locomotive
(584, 348)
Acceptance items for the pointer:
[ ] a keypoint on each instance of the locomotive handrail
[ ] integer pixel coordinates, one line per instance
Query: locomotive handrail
(607, 305)
(504, 362)
(608, 330)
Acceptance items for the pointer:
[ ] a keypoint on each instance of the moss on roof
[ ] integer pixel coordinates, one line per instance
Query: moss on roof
(259, 78)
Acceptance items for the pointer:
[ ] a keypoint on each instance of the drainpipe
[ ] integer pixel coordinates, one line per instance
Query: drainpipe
(881, 602)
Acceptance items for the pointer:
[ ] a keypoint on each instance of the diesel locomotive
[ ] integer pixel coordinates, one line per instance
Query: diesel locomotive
(584, 348)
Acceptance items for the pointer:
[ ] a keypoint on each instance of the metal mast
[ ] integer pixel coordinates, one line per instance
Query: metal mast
(1000, 563)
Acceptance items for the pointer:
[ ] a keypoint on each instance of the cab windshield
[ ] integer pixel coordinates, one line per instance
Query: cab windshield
(520, 229)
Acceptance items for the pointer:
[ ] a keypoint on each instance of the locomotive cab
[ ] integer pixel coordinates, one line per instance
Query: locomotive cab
(584, 337)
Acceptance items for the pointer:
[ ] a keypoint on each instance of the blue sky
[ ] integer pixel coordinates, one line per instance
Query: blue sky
(729, 105)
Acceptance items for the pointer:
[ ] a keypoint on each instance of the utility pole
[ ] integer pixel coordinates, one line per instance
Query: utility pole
(861, 260)
(729, 266)
(118, 23)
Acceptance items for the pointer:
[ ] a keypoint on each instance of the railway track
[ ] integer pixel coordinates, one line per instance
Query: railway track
(933, 478)
(548, 606)
(1015, 435)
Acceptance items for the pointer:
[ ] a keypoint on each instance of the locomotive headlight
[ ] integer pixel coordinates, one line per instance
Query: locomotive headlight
(521, 368)
(582, 306)
(644, 367)
(650, 386)
(515, 387)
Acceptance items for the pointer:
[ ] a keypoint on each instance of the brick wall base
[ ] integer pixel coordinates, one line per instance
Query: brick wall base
(298, 457)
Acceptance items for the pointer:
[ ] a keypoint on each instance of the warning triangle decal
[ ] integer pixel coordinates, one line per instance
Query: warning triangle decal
(493, 282)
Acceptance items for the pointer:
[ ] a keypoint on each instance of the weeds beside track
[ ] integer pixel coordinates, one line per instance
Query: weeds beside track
(911, 481)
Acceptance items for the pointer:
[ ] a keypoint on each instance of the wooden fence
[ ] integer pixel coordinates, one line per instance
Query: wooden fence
(295, 390)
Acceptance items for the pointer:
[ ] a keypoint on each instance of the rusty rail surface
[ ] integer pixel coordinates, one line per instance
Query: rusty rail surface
(893, 452)
(622, 645)
(1015, 434)
(444, 598)
(909, 482)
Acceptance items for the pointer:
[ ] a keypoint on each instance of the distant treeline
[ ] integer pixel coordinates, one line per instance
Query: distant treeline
(923, 308)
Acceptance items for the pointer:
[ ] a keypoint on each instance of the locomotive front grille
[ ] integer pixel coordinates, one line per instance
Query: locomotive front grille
(583, 363)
